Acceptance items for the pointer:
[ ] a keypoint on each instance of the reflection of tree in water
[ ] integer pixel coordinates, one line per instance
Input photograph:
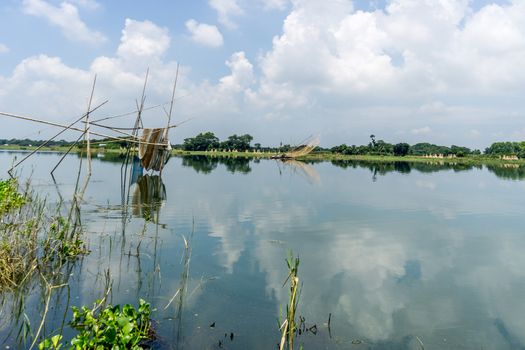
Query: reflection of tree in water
(148, 196)
(236, 165)
(206, 164)
(383, 168)
(201, 164)
(110, 157)
(508, 171)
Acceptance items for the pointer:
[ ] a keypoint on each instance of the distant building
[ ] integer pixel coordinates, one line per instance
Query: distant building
(509, 157)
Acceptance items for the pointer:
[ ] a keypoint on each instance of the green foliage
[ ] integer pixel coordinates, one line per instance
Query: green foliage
(59, 244)
(202, 142)
(507, 148)
(424, 148)
(10, 198)
(239, 143)
(112, 327)
(401, 149)
(208, 141)
(460, 151)
(28, 142)
(52, 343)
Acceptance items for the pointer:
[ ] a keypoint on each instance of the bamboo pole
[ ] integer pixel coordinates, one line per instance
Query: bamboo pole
(169, 119)
(172, 99)
(86, 134)
(65, 154)
(135, 111)
(52, 138)
(16, 116)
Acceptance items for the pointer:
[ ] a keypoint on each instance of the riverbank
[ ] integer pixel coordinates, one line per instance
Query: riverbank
(324, 156)
(314, 156)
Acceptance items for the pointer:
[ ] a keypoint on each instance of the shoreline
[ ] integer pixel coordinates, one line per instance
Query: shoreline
(321, 156)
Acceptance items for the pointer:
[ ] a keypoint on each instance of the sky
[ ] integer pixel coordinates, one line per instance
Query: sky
(440, 71)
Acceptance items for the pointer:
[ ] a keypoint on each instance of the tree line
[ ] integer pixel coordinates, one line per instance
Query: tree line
(402, 149)
(208, 141)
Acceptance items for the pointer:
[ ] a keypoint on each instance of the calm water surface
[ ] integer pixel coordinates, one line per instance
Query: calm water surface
(397, 253)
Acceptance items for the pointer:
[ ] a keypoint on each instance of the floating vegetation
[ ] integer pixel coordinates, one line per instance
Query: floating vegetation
(107, 327)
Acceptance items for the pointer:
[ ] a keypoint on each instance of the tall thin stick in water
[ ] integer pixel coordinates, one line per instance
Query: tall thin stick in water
(87, 137)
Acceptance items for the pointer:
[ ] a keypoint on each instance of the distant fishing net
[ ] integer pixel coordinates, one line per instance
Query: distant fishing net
(307, 146)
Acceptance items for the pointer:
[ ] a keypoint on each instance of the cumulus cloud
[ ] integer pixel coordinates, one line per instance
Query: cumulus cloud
(58, 91)
(66, 17)
(226, 9)
(408, 49)
(3, 49)
(142, 39)
(241, 73)
(336, 61)
(345, 73)
(204, 34)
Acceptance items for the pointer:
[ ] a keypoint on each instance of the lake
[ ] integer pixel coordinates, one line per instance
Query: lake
(397, 255)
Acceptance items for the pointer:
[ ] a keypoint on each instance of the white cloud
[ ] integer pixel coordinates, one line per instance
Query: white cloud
(3, 49)
(204, 34)
(409, 50)
(58, 91)
(334, 61)
(241, 73)
(275, 4)
(345, 73)
(66, 17)
(225, 10)
(421, 131)
(143, 39)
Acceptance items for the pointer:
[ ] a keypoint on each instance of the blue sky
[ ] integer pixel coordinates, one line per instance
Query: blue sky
(447, 71)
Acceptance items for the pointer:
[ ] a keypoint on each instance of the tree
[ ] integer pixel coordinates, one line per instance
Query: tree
(459, 151)
(239, 143)
(506, 148)
(373, 138)
(401, 149)
(202, 142)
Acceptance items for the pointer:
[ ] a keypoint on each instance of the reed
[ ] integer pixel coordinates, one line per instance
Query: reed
(37, 246)
(289, 325)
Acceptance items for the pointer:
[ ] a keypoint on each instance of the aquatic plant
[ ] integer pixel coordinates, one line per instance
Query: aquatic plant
(289, 325)
(111, 327)
(32, 240)
(10, 198)
(20, 222)
(38, 248)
